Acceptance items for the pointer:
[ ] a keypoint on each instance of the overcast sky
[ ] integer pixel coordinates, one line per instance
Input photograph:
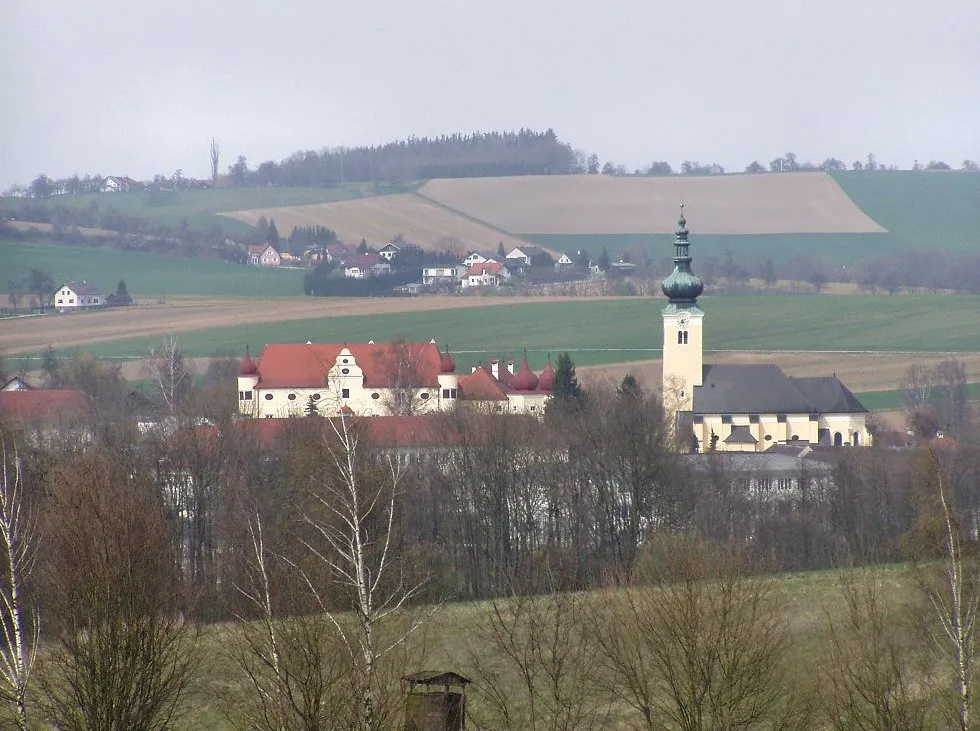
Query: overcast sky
(133, 88)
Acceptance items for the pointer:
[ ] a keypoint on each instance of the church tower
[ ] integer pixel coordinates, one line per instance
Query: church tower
(683, 327)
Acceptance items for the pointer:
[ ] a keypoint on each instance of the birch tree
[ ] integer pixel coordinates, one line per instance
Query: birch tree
(352, 527)
(19, 620)
(170, 373)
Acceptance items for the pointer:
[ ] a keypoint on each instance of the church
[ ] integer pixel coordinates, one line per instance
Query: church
(744, 407)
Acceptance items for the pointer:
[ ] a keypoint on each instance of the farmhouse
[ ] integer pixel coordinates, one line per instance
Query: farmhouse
(479, 257)
(77, 296)
(376, 380)
(446, 275)
(362, 266)
(389, 251)
(264, 255)
(523, 255)
(742, 408)
(488, 274)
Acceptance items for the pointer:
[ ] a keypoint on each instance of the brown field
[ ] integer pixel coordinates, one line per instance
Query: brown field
(859, 372)
(731, 204)
(47, 228)
(28, 334)
(381, 219)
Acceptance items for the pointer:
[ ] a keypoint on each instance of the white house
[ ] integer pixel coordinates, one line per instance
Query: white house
(388, 251)
(435, 275)
(478, 257)
(77, 296)
(363, 266)
(564, 262)
(489, 274)
(523, 254)
(264, 255)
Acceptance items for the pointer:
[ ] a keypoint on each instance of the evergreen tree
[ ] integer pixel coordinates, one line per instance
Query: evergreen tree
(566, 386)
(630, 387)
(121, 290)
(604, 261)
(272, 237)
(501, 251)
(362, 248)
(311, 407)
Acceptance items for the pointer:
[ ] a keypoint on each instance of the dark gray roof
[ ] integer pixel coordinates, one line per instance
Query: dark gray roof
(741, 435)
(765, 389)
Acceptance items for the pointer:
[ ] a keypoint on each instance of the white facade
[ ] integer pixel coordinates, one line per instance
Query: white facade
(72, 296)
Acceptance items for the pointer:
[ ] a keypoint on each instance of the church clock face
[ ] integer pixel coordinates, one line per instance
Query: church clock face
(683, 319)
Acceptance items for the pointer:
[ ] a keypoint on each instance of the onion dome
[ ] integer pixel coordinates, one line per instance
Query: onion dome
(525, 380)
(446, 363)
(546, 380)
(682, 286)
(248, 366)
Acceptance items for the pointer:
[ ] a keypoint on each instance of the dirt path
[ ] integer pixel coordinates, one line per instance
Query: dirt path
(30, 334)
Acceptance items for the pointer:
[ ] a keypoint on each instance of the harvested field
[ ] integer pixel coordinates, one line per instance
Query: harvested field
(78, 329)
(859, 372)
(381, 219)
(774, 203)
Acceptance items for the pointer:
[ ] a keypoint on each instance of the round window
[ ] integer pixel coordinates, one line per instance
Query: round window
(291, 397)
(424, 396)
(375, 395)
(345, 361)
(316, 397)
(795, 438)
(345, 371)
(268, 397)
(768, 437)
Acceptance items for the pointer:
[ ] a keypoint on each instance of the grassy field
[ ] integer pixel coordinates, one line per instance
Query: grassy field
(146, 275)
(199, 207)
(629, 329)
(809, 601)
(930, 210)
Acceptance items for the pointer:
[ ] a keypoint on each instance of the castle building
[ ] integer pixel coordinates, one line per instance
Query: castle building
(369, 379)
(742, 408)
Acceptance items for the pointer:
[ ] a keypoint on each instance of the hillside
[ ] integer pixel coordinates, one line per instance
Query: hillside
(146, 275)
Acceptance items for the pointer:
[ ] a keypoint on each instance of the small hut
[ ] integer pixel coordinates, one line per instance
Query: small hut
(435, 700)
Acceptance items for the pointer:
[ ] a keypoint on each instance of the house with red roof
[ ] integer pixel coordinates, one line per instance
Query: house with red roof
(486, 274)
(370, 379)
(362, 266)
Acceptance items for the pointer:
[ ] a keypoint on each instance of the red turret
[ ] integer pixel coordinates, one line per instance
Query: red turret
(248, 366)
(546, 381)
(446, 363)
(525, 380)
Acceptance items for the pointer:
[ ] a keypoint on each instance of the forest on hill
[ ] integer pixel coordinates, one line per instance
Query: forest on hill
(487, 154)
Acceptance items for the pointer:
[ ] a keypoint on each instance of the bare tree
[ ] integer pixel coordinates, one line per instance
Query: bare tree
(701, 648)
(875, 685)
(401, 363)
(215, 156)
(295, 666)
(955, 594)
(123, 655)
(19, 619)
(352, 533)
(541, 673)
(170, 373)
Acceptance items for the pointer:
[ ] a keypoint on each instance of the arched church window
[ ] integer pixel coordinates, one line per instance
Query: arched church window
(685, 337)
(680, 337)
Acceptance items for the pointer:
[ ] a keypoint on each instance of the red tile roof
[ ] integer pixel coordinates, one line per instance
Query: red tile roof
(44, 405)
(491, 267)
(481, 386)
(306, 366)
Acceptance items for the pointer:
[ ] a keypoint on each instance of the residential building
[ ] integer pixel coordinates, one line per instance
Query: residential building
(16, 384)
(479, 257)
(445, 275)
(523, 255)
(743, 407)
(77, 296)
(564, 262)
(389, 251)
(377, 379)
(264, 255)
(487, 274)
(361, 266)
(119, 184)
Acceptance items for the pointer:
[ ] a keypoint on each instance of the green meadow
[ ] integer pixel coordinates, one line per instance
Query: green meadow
(199, 207)
(146, 275)
(614, 331)
(936, 211)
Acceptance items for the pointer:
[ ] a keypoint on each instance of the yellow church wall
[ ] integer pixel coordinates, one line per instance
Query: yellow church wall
(682, 362)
